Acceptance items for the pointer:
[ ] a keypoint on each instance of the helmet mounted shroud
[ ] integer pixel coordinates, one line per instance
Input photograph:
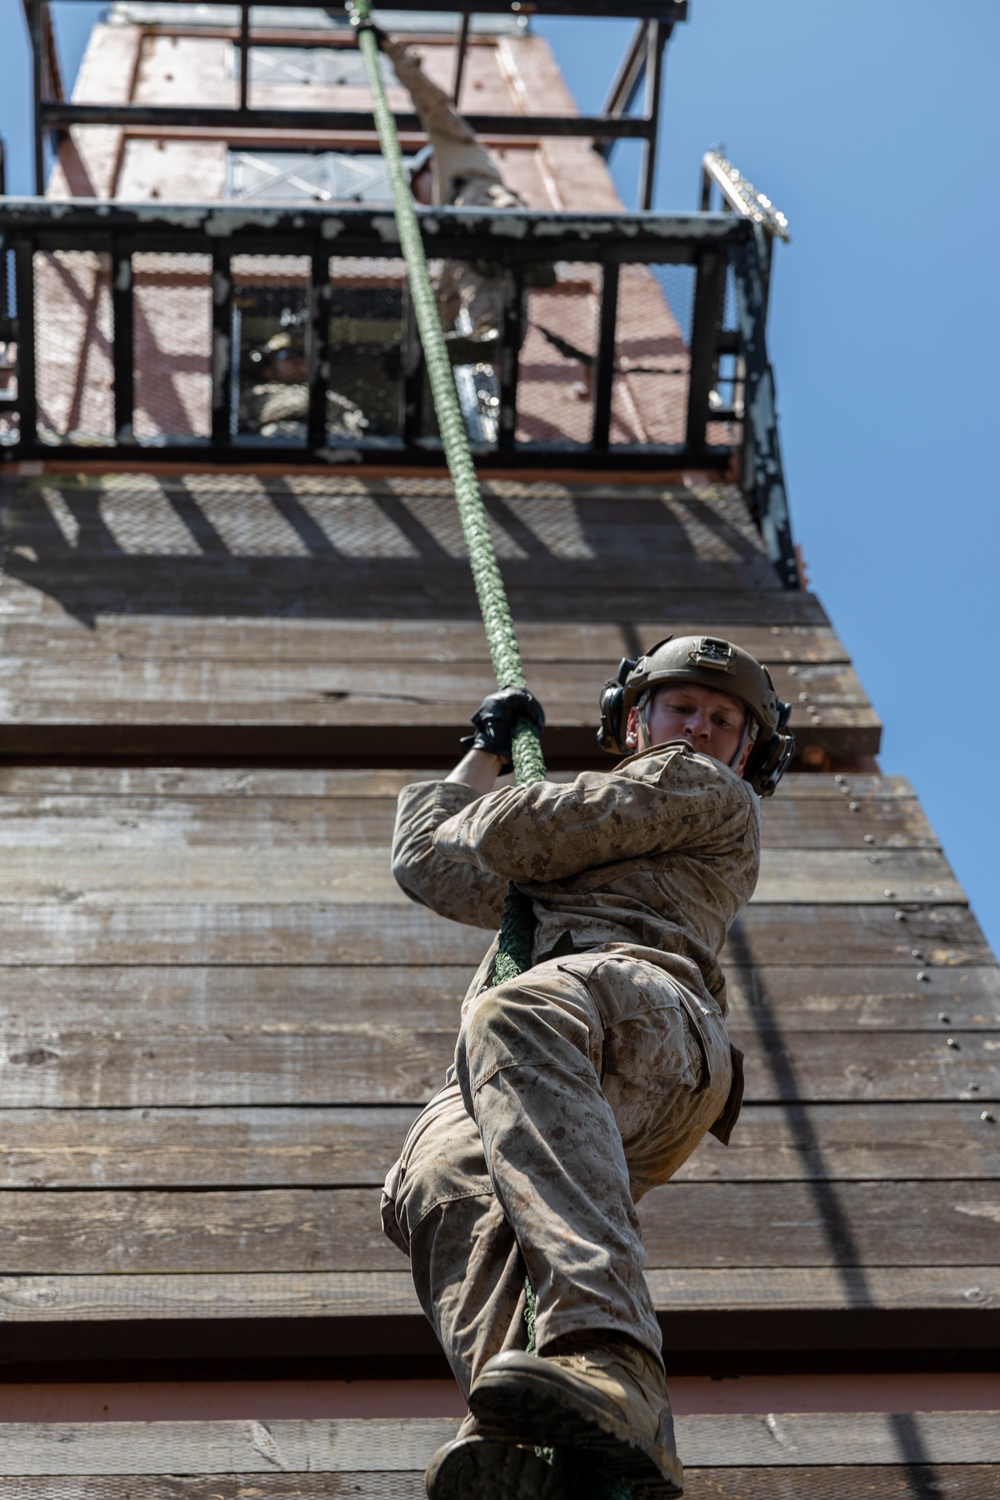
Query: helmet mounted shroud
(712, 663)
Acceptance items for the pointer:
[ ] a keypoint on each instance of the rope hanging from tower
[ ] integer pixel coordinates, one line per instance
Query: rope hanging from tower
(515, 939)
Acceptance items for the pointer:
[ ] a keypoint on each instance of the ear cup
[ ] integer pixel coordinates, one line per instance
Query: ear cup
(611, 735)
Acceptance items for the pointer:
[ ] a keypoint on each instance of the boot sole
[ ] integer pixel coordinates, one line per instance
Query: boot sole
(536, 1410)
(487, 1468)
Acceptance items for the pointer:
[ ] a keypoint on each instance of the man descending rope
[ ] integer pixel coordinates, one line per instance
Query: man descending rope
(588, 1079)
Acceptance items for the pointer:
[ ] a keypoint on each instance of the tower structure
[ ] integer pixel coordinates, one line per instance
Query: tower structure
(237, 616)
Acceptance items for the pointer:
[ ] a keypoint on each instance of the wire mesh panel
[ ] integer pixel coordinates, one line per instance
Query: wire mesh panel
(270, 310)
(271, 301)
(726, 396)
(365, 343)
(73, 340)
(330, 67)
(309, 176)
(172, 346)
(8, 353)
(651, 357)
(555, 393)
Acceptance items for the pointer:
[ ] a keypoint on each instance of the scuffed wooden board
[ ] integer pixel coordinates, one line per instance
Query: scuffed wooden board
(296, 1146)
(295, 933)
(745, 1224)
(104, 818)
(151, 1065)
(313, 998)
(384, 1445)
(382, 1295)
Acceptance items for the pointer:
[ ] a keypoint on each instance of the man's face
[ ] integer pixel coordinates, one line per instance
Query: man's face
(710, 721)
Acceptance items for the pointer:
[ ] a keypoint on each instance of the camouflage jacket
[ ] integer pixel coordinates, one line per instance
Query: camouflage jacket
(658, 855)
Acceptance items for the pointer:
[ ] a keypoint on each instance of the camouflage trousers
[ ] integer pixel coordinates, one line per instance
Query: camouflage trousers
(576, 1087)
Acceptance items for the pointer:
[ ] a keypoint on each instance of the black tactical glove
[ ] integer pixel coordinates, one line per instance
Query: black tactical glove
(495, 719)
(365, 23)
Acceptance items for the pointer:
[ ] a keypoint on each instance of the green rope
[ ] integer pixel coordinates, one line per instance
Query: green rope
(514, 947)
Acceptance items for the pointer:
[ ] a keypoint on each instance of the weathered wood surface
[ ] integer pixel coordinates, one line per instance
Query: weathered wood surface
(800, 1224)
(857, 1482)
(95, 874)
(54, 704)
(334, 1146)
(238, 1013)
(39, 1000)
(139, 637)
(139, 615)
(68, 931)
(38, 1299)
(83, 820)
(208, 785)
(750, 1441)
(269, 1064)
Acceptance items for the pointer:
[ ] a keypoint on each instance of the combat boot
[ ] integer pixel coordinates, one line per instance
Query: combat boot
(609, 1399)
(474, 1467)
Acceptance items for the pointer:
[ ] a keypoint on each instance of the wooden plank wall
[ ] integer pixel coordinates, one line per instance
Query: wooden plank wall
(867, 1456)
(241, 617)
(220, 1013)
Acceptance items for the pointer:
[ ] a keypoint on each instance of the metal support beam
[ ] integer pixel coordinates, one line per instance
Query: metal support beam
(412, 385)
(123, 349)
(57, 113)
(604, 369)
(763, 479)
(628, 80)
(222, 349)
(709, 301)
(318, 348)
(36, 33)
(27, 387)
(5, 309)
(244, 54)
(512, 333)
(657, 37)
(463, 42)
(668, 10)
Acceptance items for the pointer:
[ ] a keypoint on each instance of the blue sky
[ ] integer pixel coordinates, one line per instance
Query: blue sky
(874, 125)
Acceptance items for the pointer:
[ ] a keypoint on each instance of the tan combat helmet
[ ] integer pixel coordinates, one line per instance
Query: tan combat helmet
(714, 664)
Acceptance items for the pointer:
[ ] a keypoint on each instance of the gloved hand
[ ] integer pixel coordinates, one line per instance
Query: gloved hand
(365, 23)
(495, 719)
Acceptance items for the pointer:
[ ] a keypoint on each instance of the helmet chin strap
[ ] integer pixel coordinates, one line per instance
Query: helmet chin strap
(747, 738)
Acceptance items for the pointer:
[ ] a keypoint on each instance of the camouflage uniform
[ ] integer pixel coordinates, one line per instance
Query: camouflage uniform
(590, 1078)
(465, 175)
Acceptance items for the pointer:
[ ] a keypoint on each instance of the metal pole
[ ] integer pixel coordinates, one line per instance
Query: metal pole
(123, 348)
(510, 355)
(318, 349)
(35, 31)
(658, 36)
(244, 46)
(709, 302)
(27, 394)
(222, 349)
(463, 40)
(4, 278)
(763, 480)
(604, 368)
(626, 84)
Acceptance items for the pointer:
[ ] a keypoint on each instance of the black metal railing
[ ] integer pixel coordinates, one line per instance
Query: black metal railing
(641, 64)
(244, 334)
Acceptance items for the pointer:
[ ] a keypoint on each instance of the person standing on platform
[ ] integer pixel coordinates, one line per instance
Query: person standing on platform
(457, 170)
